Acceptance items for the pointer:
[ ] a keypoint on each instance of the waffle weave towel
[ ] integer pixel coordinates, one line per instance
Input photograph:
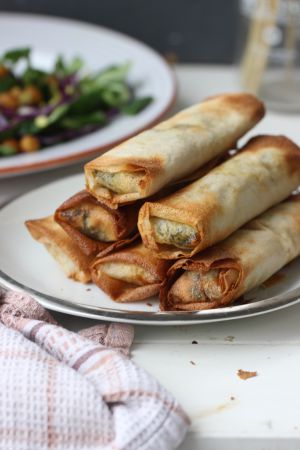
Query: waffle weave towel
(65, 391)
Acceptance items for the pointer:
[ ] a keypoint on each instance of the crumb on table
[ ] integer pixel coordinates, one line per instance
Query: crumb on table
(245, 374)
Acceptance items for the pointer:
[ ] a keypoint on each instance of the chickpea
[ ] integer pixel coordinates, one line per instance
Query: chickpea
(15, 92)
(29, 143)
(31, 95)
(11, 143)
(3, 71)
(8, 101)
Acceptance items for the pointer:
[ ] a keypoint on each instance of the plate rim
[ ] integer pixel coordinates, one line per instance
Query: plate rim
(167, 318)
(245, 310)
(80, 156)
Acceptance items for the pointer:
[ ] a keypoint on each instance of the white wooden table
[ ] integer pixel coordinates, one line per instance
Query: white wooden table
(261, 413)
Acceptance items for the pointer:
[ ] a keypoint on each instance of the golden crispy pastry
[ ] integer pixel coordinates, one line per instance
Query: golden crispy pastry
(172, 150)
(73, 262)
(95, 227)
(247, 258)
(264, 173)
(130, 274)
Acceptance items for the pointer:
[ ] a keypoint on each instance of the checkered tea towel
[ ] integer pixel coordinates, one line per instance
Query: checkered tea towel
(65, 391)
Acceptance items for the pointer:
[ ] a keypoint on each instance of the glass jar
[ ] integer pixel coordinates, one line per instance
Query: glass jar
(269, 41)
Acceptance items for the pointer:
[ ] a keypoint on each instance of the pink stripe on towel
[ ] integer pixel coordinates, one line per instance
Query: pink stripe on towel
(65, 391)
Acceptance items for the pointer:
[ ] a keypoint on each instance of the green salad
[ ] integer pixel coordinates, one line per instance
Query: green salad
(41, 108)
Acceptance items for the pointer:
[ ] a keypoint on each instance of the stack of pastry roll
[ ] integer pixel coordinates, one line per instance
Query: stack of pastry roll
(263, 173)
(205, 216)
(222, 273)
(82, 228)
(126, 193)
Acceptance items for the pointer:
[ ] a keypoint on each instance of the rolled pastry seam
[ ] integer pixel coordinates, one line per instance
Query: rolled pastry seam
(172, 150)
(95, 227)
(72, 261)
(131, 274)
(205, 212)
(243, 261)
(178, 184)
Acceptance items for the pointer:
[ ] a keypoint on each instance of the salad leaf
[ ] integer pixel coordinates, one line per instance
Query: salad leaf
(75, 65)
(85, 103)
(59, 66)
(104, 78)
(20, 128)
(136, 105)
(66, 105)
(113, 73)
(73, 123)
(26, 127)
(7, 82)
(13, 56)
(34, 76)
(62, 69)
(6, 150)
(116, 94)
(42, 122)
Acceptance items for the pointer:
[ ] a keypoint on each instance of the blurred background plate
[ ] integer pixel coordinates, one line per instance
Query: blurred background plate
(99, 47)
(27, 267)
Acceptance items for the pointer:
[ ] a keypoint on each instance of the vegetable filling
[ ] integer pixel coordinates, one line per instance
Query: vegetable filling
(200, 287)
(91, 221)
(173, 233)
(119, 182)
(130, 273)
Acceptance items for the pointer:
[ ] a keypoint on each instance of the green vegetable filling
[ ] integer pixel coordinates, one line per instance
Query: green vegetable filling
(173, 233)
(119, 182)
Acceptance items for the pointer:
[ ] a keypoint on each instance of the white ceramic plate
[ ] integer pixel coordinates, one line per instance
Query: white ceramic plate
(99, 47)
(26, 266)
